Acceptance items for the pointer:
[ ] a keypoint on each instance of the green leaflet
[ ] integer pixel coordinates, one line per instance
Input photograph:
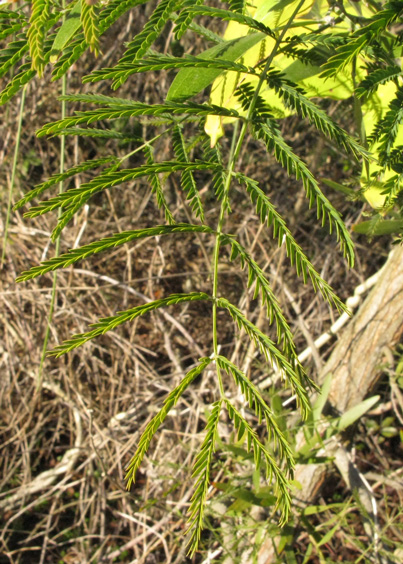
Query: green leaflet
(189, 82)
(110, 323)
(156, 421)
(113, 241)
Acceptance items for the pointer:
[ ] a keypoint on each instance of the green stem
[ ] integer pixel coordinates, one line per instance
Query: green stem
(57, 249)
(234, 154)
(13, 172)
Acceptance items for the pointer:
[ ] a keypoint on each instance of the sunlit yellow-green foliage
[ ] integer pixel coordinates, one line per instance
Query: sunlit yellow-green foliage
(275, 14)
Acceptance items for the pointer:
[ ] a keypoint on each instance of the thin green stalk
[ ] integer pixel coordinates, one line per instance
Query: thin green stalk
(233, 157)
(13, 172)
(57, 248)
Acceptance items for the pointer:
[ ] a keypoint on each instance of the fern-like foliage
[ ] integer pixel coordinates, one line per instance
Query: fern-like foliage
(268, 214)
(201, 471)
(365, 50)
(156, 421)
(36, 33)
(292, 372)
(187, 180)
(109, 323)
(74, 255)
(375, 79)
(89, 20)
(294, 98)
(259, 406)
(109, 180)
(61, 177)
(260, 451)
(270, 134)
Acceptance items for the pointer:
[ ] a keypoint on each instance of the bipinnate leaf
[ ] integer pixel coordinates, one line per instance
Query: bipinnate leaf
(89, 20)
(268, 214)
(36, 33)
(260, 451)
(158, 419)
(74, 255)
(109, 180)
(108, 323)
(61, 177)
(201, 471)
(271, 136)
(292, 371)
(187, 180)
(157, 187)
(256, 402)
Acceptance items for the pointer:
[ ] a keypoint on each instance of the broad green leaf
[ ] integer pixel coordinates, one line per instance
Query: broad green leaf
(339, 187)
(353, 414)
(385, 227)
(189, 82)
(67, 30)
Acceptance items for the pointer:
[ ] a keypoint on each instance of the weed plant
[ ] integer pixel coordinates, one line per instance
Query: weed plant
(274, 60)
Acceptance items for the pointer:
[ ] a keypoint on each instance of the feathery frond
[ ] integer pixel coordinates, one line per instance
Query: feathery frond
(187, 180)
(201, 471)
(36, 33)
(157, 188)
(133, 109)
(259, 450)
(111, 179)
(294, 98)
(268, 214)
(259, 406)
(375, 79)
(89, 20)
(271, 136)
(231, 16)
(74, 255)
(293, 374)
(262, 287)
(108, 323)
(157, 62)
(158, 419)
(61, 177)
